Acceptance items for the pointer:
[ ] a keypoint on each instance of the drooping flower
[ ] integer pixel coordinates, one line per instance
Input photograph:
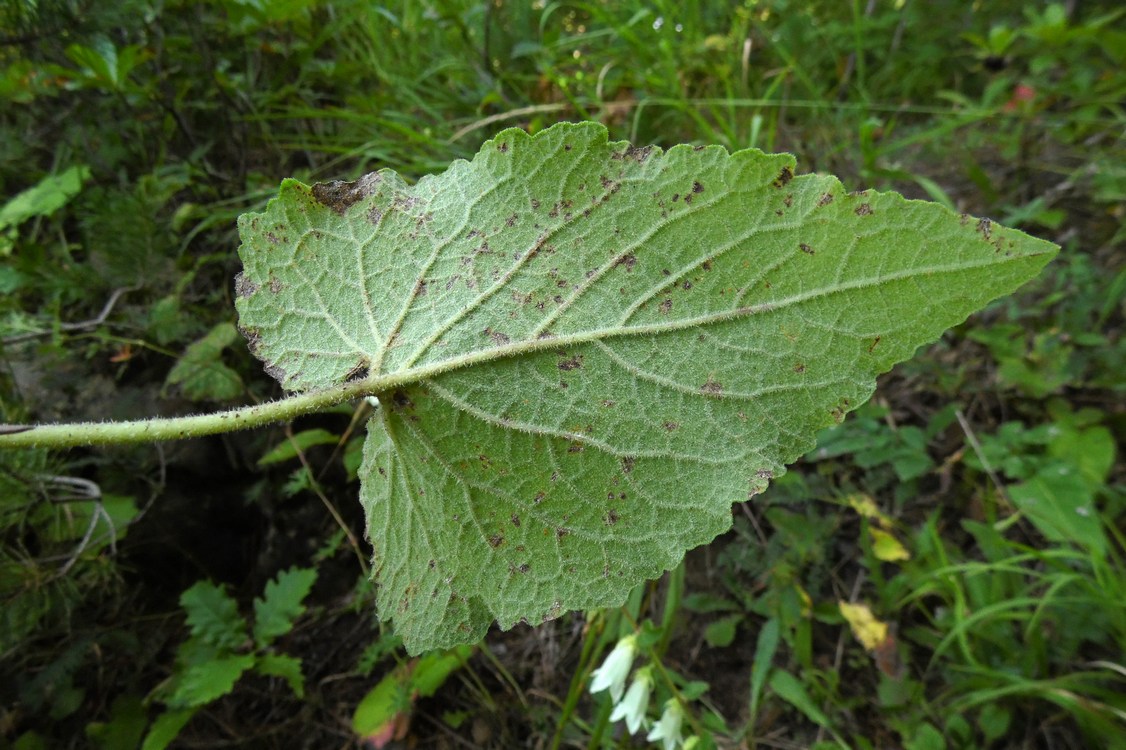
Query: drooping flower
(668, 728)
(634, 706)
(614, 671)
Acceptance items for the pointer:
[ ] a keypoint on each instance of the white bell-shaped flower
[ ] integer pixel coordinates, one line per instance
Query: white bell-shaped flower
(635, 704)
(668, 728)
(614, 671)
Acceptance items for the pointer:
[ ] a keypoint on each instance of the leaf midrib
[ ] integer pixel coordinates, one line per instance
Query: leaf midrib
(411, 375)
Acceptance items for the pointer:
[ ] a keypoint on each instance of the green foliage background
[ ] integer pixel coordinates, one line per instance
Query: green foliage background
(131, 136)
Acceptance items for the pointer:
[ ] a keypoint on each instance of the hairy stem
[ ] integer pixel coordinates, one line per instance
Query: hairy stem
(180, 428)
(177, 428)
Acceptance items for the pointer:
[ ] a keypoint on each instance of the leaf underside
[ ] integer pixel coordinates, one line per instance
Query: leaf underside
(585, 352)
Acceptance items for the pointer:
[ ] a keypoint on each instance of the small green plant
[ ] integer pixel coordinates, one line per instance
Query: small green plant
(223, 647)
(383, 714)
(583, 352)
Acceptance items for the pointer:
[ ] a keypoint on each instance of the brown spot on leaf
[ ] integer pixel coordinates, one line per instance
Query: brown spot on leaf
(244, 287)
(864, 209)
(562, 532)
(637, 154)
(875, 341)
(611, 517)
(665, 306)
(627, 464)
(670, 426)
(799, 368)
(806, 248)
(539, 498)
(629, 260)
(783, 177)
(825, 200)
(571, 363)
(515, 520)
(339, 195)
(498, 338)
(359, 371)
(712, 388)
(496, 540)
(502, 147)
(985, 228)
(697, 187)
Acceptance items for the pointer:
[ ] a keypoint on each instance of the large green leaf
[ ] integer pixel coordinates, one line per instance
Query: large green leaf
(585, 352)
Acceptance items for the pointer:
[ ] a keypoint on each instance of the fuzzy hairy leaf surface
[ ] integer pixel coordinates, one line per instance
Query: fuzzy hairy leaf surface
(585, 352)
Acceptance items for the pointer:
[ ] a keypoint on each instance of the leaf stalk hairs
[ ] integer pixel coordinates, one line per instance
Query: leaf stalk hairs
(176, 428)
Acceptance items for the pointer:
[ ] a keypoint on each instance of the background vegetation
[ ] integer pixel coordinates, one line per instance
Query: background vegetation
(946, 570)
